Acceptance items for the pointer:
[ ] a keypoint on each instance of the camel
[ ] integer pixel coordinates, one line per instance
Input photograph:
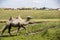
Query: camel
(18, 22)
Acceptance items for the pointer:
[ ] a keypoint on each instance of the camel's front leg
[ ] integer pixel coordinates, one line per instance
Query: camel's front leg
(9, 28)
(24, 28)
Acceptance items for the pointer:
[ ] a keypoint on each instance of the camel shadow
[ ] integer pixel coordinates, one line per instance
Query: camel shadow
(7, 35)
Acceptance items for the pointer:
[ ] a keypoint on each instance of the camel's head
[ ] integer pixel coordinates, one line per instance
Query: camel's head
(28, 18)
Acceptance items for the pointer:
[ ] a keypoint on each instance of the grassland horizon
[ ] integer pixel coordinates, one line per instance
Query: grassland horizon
(36, 14)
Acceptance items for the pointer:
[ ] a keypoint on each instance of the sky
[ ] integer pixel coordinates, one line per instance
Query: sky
(29, 3)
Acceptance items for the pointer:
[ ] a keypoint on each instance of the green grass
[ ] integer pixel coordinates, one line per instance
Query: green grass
(36, 14)
(48, 18)
(51, 34)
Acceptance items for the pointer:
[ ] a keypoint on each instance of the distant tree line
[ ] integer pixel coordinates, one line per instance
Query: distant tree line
(34, 8)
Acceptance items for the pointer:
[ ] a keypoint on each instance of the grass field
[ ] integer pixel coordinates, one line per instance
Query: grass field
(38, 31)
(50, 34)
(36, 14)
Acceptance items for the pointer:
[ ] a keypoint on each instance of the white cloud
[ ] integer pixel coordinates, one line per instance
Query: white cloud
(37, 1)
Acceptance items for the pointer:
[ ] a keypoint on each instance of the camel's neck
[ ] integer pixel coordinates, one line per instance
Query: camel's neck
(27, 20)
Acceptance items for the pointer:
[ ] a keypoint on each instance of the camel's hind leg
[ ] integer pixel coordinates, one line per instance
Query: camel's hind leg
(3, 30)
